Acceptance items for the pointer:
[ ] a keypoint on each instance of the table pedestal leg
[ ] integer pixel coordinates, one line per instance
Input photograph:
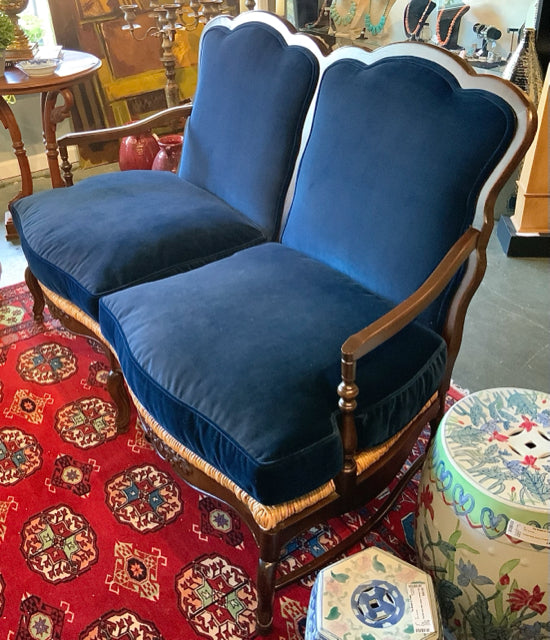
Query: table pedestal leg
(51, 117)
(9, 122)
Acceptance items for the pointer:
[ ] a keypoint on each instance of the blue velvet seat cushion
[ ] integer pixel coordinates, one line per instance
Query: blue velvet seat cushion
(115, 230)
(239, 361)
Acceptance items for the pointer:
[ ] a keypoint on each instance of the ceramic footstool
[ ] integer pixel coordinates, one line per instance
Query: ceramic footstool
(483, 521)
(372, 595)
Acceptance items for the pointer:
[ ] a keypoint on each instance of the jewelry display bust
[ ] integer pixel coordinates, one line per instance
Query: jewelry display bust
(375, 21)
(415, 16)
(448, 25)
(342, 19)
(345, 18)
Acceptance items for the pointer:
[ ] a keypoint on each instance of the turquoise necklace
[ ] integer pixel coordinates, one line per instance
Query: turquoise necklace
(375, 29)
(340, 19)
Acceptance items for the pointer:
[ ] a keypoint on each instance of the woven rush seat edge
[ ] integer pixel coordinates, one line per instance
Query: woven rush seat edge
(268, 516)
(72, 310)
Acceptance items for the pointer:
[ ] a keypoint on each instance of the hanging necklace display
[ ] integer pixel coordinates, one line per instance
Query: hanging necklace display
(338, 18)
(375, 29)
(452, 28)
(414, 33)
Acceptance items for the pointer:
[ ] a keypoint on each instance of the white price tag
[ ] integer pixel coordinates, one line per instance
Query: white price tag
(528, 533)
(420, 607)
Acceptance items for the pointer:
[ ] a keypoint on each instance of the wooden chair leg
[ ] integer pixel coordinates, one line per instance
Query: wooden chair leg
(117, 390)
(265, 583)
(434, 424)
(39, 301)
(115, 381)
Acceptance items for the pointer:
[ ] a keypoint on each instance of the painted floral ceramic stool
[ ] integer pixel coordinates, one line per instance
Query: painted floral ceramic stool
(483, 521)
(373, 595)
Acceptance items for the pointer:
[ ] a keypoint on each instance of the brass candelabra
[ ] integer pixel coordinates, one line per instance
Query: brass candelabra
(169, 19)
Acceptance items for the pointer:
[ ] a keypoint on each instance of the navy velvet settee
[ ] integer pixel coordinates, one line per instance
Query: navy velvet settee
(289, 372)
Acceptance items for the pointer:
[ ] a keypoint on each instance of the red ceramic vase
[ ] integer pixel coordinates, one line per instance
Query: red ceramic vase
(168, 157)
(137, 152)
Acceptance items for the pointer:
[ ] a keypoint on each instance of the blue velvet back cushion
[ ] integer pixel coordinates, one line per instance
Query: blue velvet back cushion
(417, 149)
(244, 133)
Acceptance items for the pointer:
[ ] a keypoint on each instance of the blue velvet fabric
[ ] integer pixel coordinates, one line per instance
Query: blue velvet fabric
(113, 231)
(416, 149)
(119, 229)
(239, 360)
(244, 133)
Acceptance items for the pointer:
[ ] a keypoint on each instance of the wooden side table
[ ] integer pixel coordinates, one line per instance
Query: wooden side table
(73, 68)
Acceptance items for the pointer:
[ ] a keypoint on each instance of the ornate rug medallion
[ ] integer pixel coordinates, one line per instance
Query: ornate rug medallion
(136, 571)
(220, 520)
(218, 598)
(16, 305)
(29, 406)
(71, 474)
(11, 315)
(39, 621)
(48, 363)
(58, 544)
(121, 625)
(98, 373)
(305, 548)
(20, 455)
(87, 423)
(144, 497)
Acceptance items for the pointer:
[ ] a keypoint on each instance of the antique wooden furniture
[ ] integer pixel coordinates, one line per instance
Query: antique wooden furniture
(292, 378)
(171, 119)
(119, 229)
(74, 67)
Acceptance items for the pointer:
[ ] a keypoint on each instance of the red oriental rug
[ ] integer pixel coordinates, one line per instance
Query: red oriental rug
(98, 536)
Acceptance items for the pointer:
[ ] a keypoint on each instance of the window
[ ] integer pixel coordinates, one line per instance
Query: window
(36, 21)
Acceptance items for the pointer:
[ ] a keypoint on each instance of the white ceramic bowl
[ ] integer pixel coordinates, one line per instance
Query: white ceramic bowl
(38, 66)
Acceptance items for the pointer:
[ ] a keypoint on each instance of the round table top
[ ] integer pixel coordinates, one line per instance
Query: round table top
(73, 67)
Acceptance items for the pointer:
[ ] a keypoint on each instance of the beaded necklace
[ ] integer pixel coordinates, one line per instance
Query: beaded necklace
(340, 19)
(408, 31)
(457, 15)
(376, 28)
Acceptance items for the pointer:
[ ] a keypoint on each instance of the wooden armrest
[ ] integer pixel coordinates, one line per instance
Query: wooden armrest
(114, 133)
(366, 340)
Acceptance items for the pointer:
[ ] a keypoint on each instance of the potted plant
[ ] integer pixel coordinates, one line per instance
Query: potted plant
(6, 36)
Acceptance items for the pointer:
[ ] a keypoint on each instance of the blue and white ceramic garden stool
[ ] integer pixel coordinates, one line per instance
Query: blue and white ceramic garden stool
(373, 595)
(483, 522)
